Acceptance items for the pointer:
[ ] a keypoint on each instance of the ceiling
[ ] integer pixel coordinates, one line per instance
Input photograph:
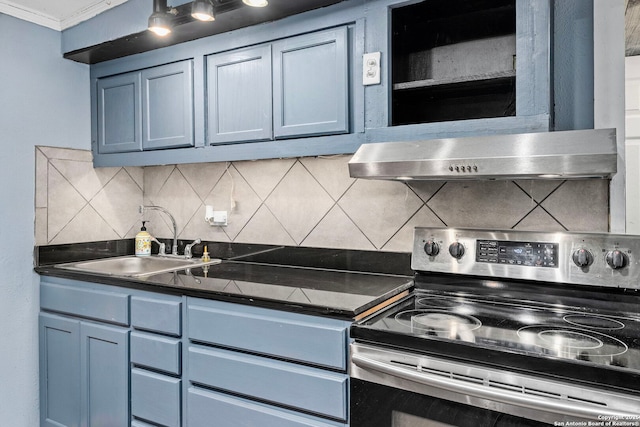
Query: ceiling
(57, 14)
(62, 14)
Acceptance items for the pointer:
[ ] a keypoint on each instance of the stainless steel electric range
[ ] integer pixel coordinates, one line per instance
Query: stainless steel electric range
(505, 328)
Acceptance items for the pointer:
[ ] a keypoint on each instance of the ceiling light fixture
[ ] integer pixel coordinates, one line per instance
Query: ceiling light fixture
(255, 3)
(160, 21)
(202, 10)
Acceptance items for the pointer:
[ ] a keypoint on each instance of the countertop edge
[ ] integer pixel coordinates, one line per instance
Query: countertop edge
(132, 283)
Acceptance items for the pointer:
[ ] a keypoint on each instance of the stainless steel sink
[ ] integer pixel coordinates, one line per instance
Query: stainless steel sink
(133, 266)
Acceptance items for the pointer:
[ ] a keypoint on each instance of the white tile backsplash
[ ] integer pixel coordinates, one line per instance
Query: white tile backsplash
(309, 201)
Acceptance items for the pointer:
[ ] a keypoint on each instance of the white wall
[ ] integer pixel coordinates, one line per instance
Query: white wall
(44, 100)
(632, 119)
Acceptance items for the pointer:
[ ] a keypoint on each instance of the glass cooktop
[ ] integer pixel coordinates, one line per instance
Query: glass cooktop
(503, 324)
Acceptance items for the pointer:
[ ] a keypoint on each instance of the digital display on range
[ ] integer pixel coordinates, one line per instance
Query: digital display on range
(531, 254)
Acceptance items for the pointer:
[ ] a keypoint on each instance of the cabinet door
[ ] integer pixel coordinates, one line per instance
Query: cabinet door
(119, 113)
(239, 96)
(104, 375)
(167, 111)
(59, 373)
(311, 93)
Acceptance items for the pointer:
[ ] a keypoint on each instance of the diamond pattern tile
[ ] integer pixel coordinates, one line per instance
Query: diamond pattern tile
(379, 208)
(581, 205)
(426, 189)
(263, 176)
(178, 197)
(154, 179)
(299, 202)
(537, 220)
(117, 203)
(481, 204)
(64, 203)
(42, 165)
(84, 177)
(538, 190)
(66, 154)
(77, 231)
(402, 241)
(331, 172)
(233, 189)
(203, 176)
(266, 229)
(336, 230)
(306, 201)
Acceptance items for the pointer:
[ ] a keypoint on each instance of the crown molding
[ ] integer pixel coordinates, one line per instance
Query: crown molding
(57, 23)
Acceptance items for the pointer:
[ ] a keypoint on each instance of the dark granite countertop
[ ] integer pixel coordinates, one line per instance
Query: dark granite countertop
(329, 282)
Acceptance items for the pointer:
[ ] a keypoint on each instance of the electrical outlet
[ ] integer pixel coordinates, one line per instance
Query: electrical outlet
(220, 218)
(371, 68)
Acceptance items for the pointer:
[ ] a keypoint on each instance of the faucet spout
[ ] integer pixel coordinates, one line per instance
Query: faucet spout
(174, 246)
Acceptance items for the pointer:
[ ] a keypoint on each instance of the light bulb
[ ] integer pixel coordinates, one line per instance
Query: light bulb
(255, 3)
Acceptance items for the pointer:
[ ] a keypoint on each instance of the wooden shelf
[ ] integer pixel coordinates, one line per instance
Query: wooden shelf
(454, 80)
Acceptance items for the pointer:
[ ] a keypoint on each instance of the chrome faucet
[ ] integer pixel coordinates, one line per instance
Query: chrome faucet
(174, 247)
(187, 248)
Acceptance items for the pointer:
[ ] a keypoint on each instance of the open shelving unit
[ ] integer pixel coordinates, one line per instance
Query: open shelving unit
(453, 60)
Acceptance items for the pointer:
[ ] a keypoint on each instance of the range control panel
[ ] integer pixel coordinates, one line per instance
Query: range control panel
(599, 259)
(532, 254)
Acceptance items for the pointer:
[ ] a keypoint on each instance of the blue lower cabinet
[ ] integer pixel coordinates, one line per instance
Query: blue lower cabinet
(295, 386)
(155, 398)
(83, 373)
(59, 373)
(104, 375)
(207, 408)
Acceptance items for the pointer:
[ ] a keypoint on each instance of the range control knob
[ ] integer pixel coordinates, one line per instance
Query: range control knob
(582, 258)
(456, 249)
(617, 259)
(431, 248)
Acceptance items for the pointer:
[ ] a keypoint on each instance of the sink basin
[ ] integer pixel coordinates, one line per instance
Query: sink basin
(133, 266)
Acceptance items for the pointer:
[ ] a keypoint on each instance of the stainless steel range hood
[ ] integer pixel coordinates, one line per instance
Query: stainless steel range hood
(545, 155)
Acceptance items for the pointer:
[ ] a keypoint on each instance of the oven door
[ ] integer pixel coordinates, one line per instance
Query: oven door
(391, 388)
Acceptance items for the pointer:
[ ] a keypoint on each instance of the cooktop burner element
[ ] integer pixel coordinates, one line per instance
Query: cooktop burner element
(573, 343)
(440, 323)
(593, 322)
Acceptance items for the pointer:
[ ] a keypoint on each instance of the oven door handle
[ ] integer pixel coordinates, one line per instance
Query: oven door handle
(563, 407)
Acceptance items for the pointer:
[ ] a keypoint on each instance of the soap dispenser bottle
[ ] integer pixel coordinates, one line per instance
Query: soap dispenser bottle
(143, 242)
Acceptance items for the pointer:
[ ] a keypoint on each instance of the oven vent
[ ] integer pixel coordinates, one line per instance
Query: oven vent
(541, 155)
(520, 384)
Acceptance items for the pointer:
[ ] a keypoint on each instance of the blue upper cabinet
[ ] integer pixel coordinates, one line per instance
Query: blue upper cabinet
(311, 84)
(239, 96)
(167, 110)
(145, 110)
(295, 87)
(119, 114)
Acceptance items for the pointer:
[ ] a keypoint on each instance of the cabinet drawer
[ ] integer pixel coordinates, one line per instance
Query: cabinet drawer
(293, 336)
(109, 307)
(156, 352)
(300, 387)
(155, 398)
(228, 411)
(156, 315)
